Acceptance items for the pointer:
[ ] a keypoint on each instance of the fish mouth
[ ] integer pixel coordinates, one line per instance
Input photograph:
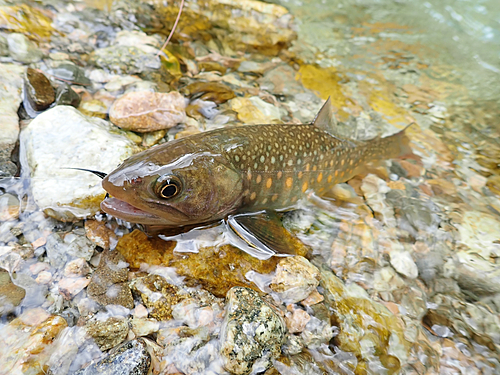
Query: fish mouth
(125, 211)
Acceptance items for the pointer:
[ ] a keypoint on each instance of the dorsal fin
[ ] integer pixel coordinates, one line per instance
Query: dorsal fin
(325, 119)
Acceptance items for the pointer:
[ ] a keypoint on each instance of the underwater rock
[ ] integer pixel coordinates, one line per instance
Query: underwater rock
(11, 295)
(158, 295)
(27, 342)
(216, 92)
(480, 231)
(93, 108)
(22, 49)
(295, 279)
(251, 334)
(108, 285)
(404, 264)
(71, 74)
(297, 320)
(52, 143)
(107, 333)
(212, 267)
(26, 20)
(124, 59)
(144, 327)
(145, 111)
(130, 358)
(281, 81)
(476, 275)
(254, 110)
(71, 286)
(39, 91)
(62, 248)
(9, 206)
(366, 328)
(65, 95)
(10, 98)
(100, 234)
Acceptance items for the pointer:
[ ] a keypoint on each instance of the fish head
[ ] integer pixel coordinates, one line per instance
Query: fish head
(173, 185)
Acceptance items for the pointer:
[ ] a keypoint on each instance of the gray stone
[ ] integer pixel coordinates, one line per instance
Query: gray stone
(124, 59)
(11, 85)
(251, 334)
(4, 47)
(62, 138)
(22, 49)
(65, 95)
(130, 358)
(60, 249)
(70, 73)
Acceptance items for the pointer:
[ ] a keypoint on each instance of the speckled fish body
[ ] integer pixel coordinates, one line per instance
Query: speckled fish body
(238, 169)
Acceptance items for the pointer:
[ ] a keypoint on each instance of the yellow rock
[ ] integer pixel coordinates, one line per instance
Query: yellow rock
(26, 20)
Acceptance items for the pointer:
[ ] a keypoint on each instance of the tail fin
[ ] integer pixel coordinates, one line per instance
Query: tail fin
(402, 141)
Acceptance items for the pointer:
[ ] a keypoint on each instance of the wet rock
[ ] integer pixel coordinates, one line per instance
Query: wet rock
(216, 92)
(254, 110)
(76, 268)
(124, 59)
(374, 189)
(39, 91)
(476, 275)
(71, 286)
(10, 99)
(313, 299)
(144, 327)
(366, 328)
(22, 49)
(65, 95)
(27, 342)
(297, 320)
(281, 80)
(108, 285)
(11, 295)
(94, 108)
(480, 232)
(212, 268)
(130, 358)
(295, 279)
(27, 20)
(145, 111)
(4, 47)
(404, 264)
(9, 207)
(252, 332)
(52, 142)
(108, 333)
(62, 248)
(70, 73)
(157, 295)
(100, 234)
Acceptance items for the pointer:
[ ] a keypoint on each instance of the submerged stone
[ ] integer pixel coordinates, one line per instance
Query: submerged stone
(65, 95)
(52, 144)
(22, 49)
(11, 295)
(108, 285)
(108, 333)
(216, 92)
(124, 59)
(71, 74)
(252, 332)
(145, 111)
(215, 269)
(25, 19)
(130, 358)
(39, 91)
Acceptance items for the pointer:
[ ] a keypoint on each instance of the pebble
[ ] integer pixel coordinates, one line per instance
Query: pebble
(70, 73)
(145, 111)
(94, 108)
(313, 298)
(295, 279)
(254, 110)
(10, 98)
(144, 327)
(22, 49)
(27, 342)
(296, 321)
(76, 268)
(140, 311)
(99, 233)
(108, 333)
(39, 91)
(9, 207)
(44, 278)
(130, 358)
(51, 143)
(60, 250)
(11, 295)
(71, 286)
(108, 285)
(65, 95)
(124, 59)
(404, 263)
(251, 334)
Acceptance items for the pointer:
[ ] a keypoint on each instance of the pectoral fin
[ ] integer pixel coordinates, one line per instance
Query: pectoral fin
(262, 235)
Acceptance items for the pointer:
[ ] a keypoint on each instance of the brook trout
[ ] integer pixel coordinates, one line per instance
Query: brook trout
(206, 177)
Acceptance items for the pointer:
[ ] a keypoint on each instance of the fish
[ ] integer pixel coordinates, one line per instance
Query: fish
(238, 173)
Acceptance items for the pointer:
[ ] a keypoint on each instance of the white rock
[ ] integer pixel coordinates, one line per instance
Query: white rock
(22, 49)
(144, 327)
(11, 84)
(404, 264)
(62, 138)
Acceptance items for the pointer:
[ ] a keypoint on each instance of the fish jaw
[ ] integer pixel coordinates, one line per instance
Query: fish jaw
(125, 211)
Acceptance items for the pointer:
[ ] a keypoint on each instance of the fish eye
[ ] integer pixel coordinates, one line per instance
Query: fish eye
(167, 187)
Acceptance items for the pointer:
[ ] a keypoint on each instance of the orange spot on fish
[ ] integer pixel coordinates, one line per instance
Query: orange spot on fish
(269, 182)
(258, 179)
(289, 182)
(336, 173)
(274, 197)
(304, 187)
(307, 167)
(280, 174)
(315, 167)
(300, 174)
(330, 178)
(320, 177)
(253, 195)
(249, 175)
(342, 162)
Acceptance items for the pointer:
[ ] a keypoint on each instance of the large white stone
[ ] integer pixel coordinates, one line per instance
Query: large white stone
(62, 138)
(11, 84)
